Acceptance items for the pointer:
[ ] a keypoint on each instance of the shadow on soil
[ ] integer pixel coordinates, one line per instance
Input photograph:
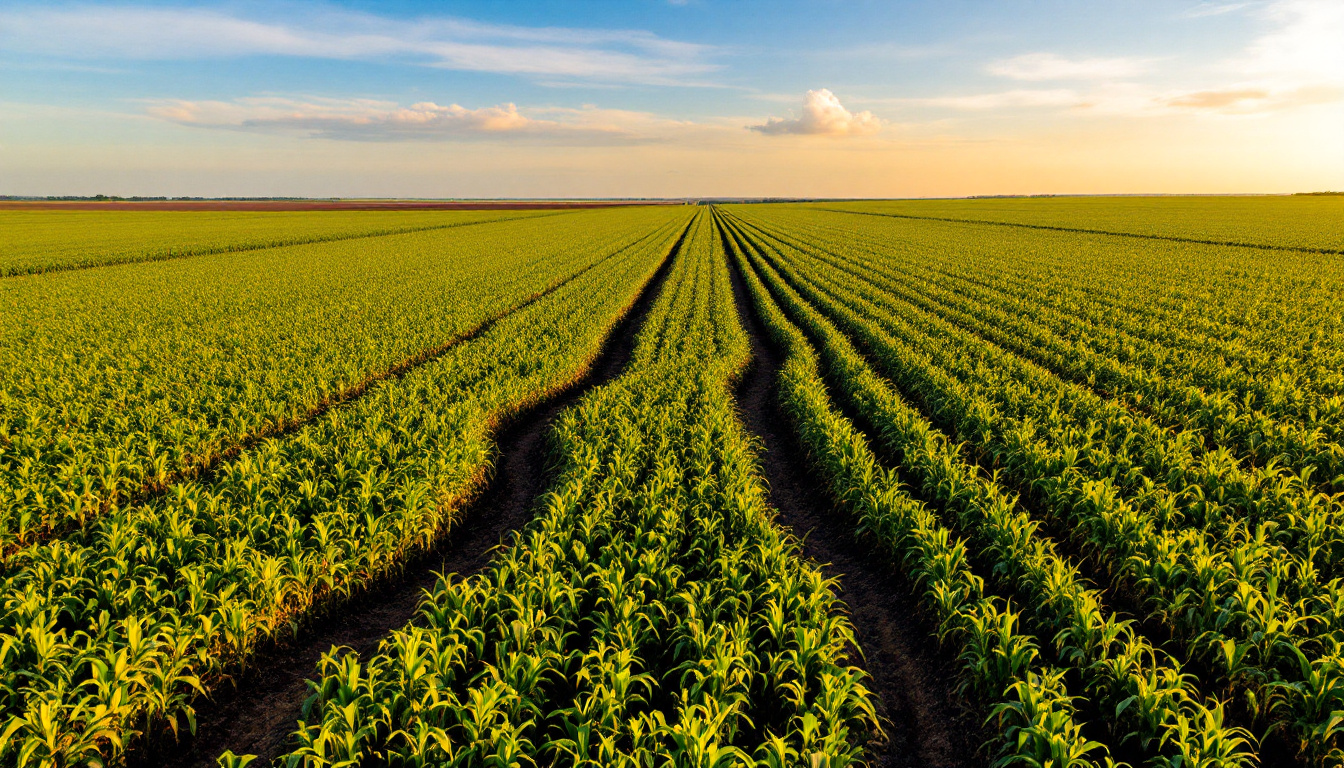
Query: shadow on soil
(259, 714)
(911, 678)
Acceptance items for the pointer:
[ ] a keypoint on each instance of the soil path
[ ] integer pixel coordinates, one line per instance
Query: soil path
(912, 679)
(260, 714)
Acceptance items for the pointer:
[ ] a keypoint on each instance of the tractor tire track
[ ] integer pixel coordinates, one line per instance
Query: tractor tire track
(259, 714)
(912, 679)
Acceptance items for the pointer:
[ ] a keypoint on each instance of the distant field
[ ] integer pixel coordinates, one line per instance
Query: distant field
(1302, 221)
(45, 240)
(317, 205)
(1012, 482)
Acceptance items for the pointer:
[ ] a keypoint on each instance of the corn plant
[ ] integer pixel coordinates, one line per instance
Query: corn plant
(651, 614)
(113, 630)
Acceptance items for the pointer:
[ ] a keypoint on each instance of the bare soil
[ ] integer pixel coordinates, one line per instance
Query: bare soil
(912, 679)
(260, 713)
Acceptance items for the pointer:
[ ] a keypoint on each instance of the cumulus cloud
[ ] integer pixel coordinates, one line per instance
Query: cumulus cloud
(373, 120)
(1049, 66)
(823, 115)
(151, 33)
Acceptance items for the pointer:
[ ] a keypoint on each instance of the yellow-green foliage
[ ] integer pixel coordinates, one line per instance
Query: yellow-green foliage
(116, 626)
(1307, 222)
(1143, 413)
(1123, 670)
(1041, 427)
(651, 615)
(124, 377)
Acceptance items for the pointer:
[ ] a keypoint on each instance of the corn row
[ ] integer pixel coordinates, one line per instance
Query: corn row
(1222, 597)
(116, 628)
(1162, 705)
(651, 615)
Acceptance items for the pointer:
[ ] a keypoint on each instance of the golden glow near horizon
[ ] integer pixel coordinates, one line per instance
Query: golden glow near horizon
(1262, 113)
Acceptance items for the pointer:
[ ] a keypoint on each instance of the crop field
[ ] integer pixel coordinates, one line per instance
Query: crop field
(52, 240)
(1003, 482)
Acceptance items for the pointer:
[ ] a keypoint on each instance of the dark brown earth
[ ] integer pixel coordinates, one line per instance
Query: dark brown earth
(261, 712)
(911, 678)
(1274, 749)
(317, 205)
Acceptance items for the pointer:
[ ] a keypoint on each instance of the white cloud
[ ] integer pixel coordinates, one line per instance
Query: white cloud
(140, 33)
(1049, 66)
(823, 115)
(374, 120)
(1299, 62)
(1307, 46)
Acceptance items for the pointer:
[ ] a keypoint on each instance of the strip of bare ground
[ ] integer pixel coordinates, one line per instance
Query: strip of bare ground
(1117, 596)
(1124, 604)
(911, 678)
(1273, 748)
(259, 714)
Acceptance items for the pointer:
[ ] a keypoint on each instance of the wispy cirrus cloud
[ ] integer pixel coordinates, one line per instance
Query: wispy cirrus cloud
(1214, 9)
(1218, 99)
(1014, 99)
(1306, 44)
(1297, 62)
(1253, 100)
(823, 115)
(385, 121)
(152, 33)
(1050, 66)
(1133, 100)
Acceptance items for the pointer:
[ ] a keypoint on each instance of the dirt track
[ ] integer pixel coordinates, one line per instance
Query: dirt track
(911, 678)
(259, 715)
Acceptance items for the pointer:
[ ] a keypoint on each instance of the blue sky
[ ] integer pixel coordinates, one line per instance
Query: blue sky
(648, 97)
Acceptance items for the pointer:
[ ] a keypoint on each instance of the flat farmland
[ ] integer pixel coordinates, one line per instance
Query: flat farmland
(1003, 482)
(74, 237)
(1306, 222)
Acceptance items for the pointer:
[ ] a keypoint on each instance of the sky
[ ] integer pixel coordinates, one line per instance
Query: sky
(659, 98)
